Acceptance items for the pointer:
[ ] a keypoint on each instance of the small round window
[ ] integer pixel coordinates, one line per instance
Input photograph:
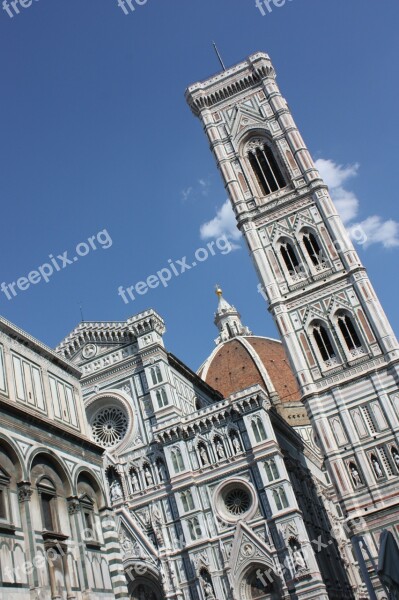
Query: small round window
(235, 499)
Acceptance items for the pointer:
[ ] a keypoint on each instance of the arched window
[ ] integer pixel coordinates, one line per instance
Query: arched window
(266, 168)
(271, 470)
(290, 257)
(156, 375)
(177, 460)
(259, 430)
(280, 498)
(349, 332)
(313, 249)
(187, 500)
(162, 398)
(323, 342)
(195, 528)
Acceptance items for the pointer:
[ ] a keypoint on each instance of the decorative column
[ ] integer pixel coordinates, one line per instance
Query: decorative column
(67, 577)
(24, 496)
(74, 510)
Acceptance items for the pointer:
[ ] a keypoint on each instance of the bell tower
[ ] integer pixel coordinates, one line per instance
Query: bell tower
(340, 343)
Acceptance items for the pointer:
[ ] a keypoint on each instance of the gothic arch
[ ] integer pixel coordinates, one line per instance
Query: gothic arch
(322, 340)
(245, 136)
(259, 581)
(348, 330)
(83, 475)
(47, 456)
(11, 450)
(144, 581)
(314, 246)
(288, 254)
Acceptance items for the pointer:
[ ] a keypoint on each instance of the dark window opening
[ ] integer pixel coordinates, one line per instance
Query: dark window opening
(313, 249)
(88, 520)
(267, 170)
(48, 521)
(323, 342)
(349, 332)
(290, 258)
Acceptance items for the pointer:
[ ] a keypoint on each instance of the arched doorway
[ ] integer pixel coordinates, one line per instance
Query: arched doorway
(260, 583)
(145, 588)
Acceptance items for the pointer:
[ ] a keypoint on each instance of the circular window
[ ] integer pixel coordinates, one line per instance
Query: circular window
(238, 502)
(109, 426)
(235, 499)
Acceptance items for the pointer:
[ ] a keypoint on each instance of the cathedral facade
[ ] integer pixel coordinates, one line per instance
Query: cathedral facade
(217, 495)
(268, 474)
(58, 534)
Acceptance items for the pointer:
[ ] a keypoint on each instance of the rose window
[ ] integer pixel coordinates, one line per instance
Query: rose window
(237, 501)
(109, 426)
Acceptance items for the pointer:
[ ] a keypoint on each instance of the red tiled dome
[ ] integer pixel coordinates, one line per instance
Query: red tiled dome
(244, 361)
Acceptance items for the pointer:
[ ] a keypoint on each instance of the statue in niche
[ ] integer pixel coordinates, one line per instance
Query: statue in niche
(204, 455)
(116, 492)
(135, 481)
(161, 471)
(236, 444)
(297, 557)
(156, 513)
(357, 480)
(220, 449)
(148, 476)
(208, 591)
(377, 467)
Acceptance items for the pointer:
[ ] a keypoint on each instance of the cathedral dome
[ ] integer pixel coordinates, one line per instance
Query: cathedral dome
(241, 360)
(248, 360)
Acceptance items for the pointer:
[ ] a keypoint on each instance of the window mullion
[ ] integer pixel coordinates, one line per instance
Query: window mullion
(265, 183)
(270, 169)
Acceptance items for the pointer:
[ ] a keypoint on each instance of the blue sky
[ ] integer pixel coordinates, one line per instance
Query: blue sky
(96, 134)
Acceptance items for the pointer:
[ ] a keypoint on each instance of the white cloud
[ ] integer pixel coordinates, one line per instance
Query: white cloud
(373, 229)
(201, 187)
(335, 175)
(223, 224)
(205, 184)
(382, 232)
(186, 193)
(346, 202)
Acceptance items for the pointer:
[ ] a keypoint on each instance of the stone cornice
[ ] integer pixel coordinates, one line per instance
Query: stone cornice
(26, 416)
(15, 333)
(227, 84)
(91, 331)
(111, 332)
(243, 402)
